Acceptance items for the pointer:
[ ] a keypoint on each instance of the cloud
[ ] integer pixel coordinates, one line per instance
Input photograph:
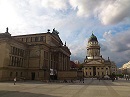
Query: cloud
(107, 11)
(78, 50)
(55, 4)
(117, 46)
(85, 7)
(115, 12)
(118, 42)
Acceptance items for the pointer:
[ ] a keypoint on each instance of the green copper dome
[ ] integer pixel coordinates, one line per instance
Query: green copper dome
(93, 38)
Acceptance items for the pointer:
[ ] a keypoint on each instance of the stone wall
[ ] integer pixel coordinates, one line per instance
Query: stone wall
(67, 75)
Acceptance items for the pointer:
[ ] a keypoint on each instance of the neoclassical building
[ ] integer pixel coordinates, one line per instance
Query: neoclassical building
(94, 64)
(40, 56)
(125, 69)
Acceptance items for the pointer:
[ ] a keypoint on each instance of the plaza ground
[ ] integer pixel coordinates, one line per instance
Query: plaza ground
(90, 88)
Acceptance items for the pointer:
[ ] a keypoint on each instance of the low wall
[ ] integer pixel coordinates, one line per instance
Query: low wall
(67, 75)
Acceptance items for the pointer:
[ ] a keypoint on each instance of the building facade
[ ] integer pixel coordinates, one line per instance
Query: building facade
(34, 57)
(94, 64)
(125, 69)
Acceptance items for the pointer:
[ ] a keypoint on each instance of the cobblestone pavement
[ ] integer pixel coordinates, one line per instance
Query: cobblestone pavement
(90, 88)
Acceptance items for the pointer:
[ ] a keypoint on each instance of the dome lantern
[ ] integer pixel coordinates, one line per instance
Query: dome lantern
(92, 38)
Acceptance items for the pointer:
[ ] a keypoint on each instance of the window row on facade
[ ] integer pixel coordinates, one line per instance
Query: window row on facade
(33, 39)
(16, 61)
(16, 74)
(54, 60)
(17, 51)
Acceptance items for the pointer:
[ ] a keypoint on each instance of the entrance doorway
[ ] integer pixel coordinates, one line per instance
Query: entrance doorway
(33, 75)
(94, 71)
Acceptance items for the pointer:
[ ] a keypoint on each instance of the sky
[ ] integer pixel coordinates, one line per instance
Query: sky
(75, 20)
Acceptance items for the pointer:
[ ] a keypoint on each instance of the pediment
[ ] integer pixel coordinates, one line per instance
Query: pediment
(94, 62)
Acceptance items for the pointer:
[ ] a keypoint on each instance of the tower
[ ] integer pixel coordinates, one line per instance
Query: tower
(94, 64)
(93, 48)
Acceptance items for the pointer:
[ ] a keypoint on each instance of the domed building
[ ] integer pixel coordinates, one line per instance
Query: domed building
(126, 68)
(94, 64)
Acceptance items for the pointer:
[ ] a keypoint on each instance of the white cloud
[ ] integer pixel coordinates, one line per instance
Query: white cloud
(107, 11)
(115, 12)
(8, 16)
(85, 7)
(55, 4)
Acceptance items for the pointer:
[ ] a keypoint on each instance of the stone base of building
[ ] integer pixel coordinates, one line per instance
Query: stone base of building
(67, 75)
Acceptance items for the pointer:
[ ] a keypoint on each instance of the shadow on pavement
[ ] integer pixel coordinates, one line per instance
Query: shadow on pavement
(4, 93)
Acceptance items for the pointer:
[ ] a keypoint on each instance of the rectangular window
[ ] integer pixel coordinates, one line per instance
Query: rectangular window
(102, 73)
(38, 74)
(31, 39)
(86, 73)
(10, 74)
(21, 74)
(21, 39)
(16, 74)
(26, 39)
(41, 38)
(36, 39)
(98, 73)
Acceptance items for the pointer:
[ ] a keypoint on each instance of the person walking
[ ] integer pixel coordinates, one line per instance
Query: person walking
(14, 80)
(99, 79)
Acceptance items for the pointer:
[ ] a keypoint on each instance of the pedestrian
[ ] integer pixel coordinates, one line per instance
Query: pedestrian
(83, 80)
(113, 78)
(14, 80)
(99, 79)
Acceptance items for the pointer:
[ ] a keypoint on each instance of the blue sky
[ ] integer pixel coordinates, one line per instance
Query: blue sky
(75, 20)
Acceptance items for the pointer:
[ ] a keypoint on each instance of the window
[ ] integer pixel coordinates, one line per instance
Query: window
(41, 38)
(102, 73)
(36, 39)
(31, 39)
(16, 74)
(38, 74)
(89, 68)
(90, 73)
(26, 39)
(102, 68)
(11, 74)
(21, 74)
(106, 68)
(86, 73)
(98, 73)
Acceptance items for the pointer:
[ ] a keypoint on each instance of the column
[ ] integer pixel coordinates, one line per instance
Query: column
(41, 58)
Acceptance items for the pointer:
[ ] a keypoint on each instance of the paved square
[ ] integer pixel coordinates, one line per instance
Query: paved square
(91, 88)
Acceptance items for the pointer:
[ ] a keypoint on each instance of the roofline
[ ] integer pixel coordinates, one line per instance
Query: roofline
(30, 34)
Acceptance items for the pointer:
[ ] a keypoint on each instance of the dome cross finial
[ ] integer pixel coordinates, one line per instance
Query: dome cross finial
(93, 33)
